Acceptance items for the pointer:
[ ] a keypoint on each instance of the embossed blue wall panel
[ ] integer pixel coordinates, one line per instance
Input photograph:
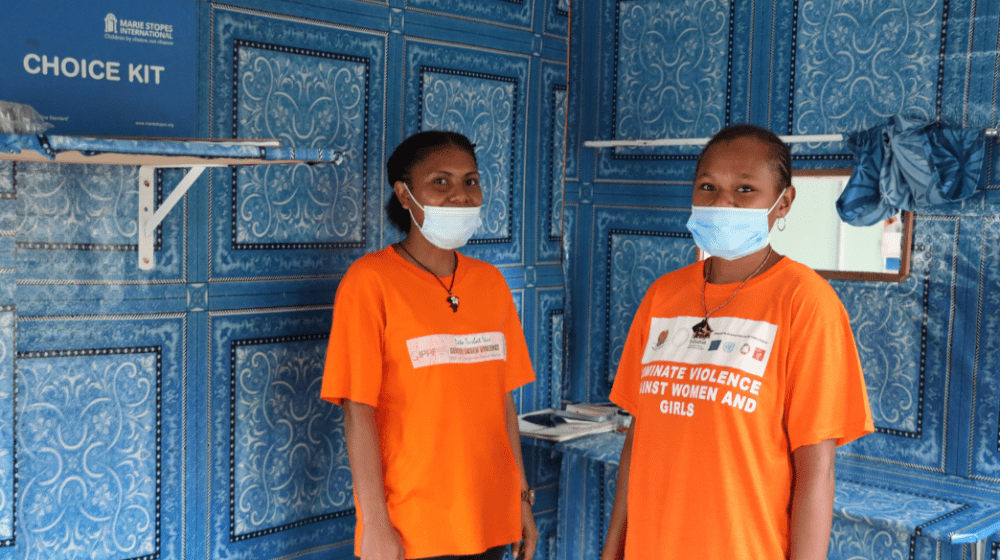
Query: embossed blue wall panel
(632, 248)
(546, 392)
(850, 540)
(100, 448)
(80, 223)
(481, 94)
(545, 547)
(8, 348)
(669, 69)
(904, 338)
(557, 17)
(856, 65)
(239, 406)
(582, 490)
(984, 452)
(279, 477)
(579, 59)
(8, 194)
(926, 344)
(571, 346)
(552, 144)
(7, 267)
(7, 351)
(310, 85)
(513, 13)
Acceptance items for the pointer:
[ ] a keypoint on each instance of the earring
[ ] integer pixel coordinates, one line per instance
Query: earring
(780, 223)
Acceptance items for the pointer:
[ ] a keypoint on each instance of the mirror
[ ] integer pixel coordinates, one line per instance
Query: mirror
(815, 235)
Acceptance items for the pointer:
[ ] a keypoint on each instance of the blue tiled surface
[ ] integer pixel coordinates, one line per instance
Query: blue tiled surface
(850, 540)
(79, 223)
(943, 507)
(247, 240)
(552, 163)
(874, 506)
(309, 87)
(927, 344)
(100, 436)
(279, 474)
(984, 421)
(631, 249)
(515, 13)
(903, 335)
(177, 408)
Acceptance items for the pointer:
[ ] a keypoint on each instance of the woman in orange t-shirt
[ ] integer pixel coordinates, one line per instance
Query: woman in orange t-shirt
(425, 349)
(742, 376)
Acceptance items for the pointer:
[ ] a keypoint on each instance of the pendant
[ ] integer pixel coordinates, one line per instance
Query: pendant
(702, 330)
(453, 302)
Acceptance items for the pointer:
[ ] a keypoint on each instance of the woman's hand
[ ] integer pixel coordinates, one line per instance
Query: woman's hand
(525, 550)
(381, 541)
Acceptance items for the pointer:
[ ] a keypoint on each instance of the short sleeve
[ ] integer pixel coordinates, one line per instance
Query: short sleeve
(353, 367)
(518, 369)
(826, 396)
(626, 385)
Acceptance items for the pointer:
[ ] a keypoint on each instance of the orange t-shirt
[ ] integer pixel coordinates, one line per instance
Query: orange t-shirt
(717, 418)
(438, 381)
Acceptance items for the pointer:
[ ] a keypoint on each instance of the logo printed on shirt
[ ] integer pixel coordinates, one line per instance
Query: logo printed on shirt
(754, 339)
(662, 338)
(439, 349)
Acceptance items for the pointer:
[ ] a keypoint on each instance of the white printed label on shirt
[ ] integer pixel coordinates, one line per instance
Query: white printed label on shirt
(438, 349)
(734, 342)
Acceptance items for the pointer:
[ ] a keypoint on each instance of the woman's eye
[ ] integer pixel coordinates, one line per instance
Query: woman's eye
(745, 189)
(706, 187)
(472, 182)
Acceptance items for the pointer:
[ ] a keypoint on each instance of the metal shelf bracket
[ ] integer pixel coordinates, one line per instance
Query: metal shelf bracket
(151, 217)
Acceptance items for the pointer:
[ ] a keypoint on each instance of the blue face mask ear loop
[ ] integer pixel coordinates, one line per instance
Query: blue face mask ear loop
(773, 206)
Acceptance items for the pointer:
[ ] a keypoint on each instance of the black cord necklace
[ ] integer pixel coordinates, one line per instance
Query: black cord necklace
(451, 299)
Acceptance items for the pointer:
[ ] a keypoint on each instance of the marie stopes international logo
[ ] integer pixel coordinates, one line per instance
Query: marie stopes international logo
(138, 31)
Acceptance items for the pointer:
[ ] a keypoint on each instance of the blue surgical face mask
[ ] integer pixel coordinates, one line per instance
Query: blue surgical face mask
(730, 233)
(446, 227)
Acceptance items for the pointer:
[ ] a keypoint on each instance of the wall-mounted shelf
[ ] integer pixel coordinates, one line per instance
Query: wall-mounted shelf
(152, 154)
(992, 132)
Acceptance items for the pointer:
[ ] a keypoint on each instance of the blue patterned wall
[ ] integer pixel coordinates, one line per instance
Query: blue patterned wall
(672, 68)
(552, 145)
(100, 438)
(984, 420)
(174, 413)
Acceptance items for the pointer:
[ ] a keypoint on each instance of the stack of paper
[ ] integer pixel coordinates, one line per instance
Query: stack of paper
(554, 425)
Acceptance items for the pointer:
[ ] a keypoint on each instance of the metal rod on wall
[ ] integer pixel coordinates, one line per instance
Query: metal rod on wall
(991, 132)
(703, 141)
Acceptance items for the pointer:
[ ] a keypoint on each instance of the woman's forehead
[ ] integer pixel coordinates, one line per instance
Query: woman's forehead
(745, 154)
(448, 158)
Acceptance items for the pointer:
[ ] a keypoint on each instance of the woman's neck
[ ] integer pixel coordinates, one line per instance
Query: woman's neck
(722, 271)
(419, 251)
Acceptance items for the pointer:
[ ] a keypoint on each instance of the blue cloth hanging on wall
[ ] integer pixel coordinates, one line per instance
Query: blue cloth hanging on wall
(909, 165)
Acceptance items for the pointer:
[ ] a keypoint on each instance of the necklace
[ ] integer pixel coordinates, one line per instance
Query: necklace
(451, 299)
(702, 330)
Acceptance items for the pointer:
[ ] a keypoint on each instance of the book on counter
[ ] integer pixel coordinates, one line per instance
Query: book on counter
(555, 425)
(592, 412)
